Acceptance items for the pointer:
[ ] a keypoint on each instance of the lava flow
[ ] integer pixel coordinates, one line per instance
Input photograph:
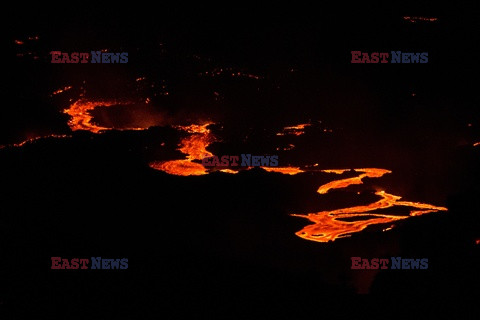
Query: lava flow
(32, 140)
(284, 170)
(194, 147)
(61, 90)
(336, 184)
(297, 130)
(82, 119)
(328, 227)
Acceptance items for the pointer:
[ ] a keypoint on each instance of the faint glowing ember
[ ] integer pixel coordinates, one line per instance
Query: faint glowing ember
(416, 19)
(21, 144)
(476, 144)
(19, 42)
(327, 226)
(229, 72)
(61, 90)
(389, 228)
(287, 148)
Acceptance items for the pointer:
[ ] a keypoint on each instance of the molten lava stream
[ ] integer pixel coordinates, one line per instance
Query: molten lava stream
(326, 224)
(284, 170)
(180, 167)
(337, 184)
(297, 130)
(82, 119)
(194, 147)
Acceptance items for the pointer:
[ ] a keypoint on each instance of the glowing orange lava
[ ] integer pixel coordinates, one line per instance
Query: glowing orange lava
(62, 90)
(343, 183)
(284, 170)
(180, 167)
(196, 128)
(230, 171)
(297, 130)
(21, 144)
(82, 119)
(287, 148)
(298, 126)
(194, 146)
(328, 227)
(336, 171)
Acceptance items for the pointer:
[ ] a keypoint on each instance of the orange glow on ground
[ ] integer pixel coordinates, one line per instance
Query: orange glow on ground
(336, 171)
(326, 226)
(229, 171)
(343, 183)
(61, 90)
(195, 147)
(298, 126)
(21, 144)
(196, 128)
(180, 167)
(284, 170)
(82, 119)
(297, 130)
